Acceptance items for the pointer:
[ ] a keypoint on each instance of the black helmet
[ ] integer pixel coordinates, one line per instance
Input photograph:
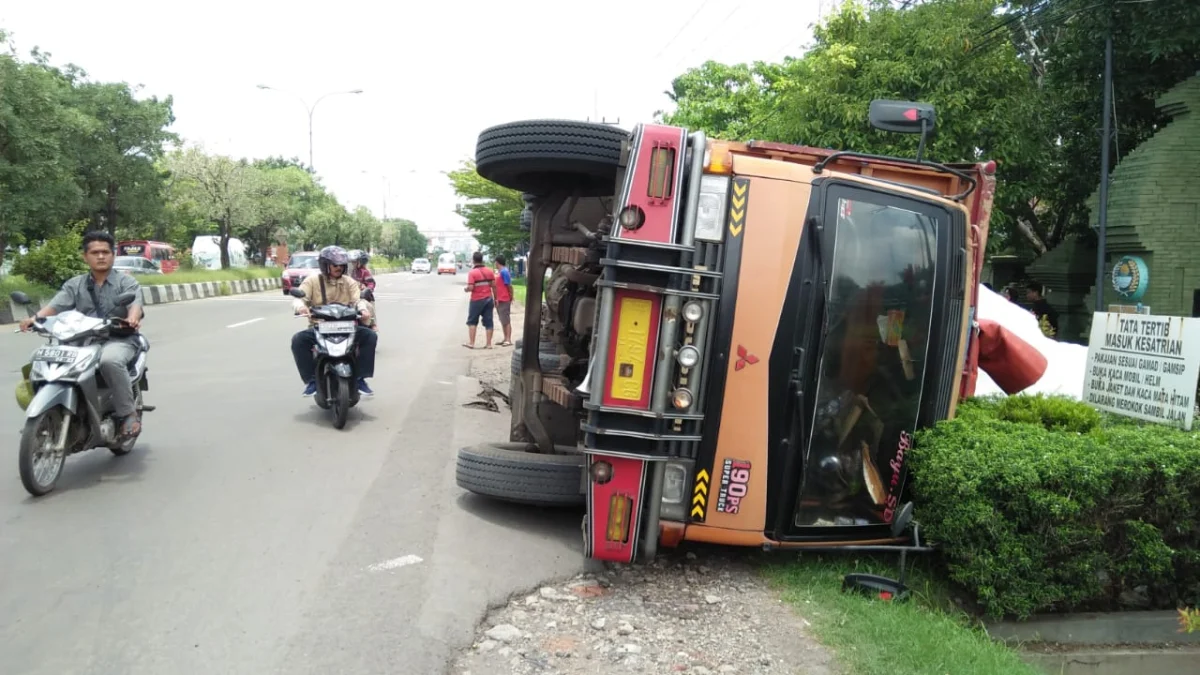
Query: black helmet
(363, 258)
(331, 256)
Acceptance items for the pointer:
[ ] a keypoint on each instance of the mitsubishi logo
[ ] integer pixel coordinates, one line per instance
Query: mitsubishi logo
(744, 358)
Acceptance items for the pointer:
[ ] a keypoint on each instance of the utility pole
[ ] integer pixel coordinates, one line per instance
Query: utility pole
(1106, 141)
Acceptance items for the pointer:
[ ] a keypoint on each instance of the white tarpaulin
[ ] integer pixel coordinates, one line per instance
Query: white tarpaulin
(1067, 363)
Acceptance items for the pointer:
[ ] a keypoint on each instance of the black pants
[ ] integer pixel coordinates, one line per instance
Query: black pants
(302, 350)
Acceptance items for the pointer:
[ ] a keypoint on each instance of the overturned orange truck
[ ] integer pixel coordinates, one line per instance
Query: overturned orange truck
(737, 339)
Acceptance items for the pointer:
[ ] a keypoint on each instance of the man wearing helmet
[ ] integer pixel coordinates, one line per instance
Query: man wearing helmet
(331, 286)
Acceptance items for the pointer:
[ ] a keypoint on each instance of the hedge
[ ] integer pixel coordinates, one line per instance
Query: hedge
(1043, 505)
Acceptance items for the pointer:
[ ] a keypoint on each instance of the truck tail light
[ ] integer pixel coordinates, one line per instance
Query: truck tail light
(662, 173)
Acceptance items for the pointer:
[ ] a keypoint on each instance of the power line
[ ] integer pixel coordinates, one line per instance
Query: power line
(681, 29)
(704, 40)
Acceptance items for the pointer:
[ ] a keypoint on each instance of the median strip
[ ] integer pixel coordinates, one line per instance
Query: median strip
(159, 294)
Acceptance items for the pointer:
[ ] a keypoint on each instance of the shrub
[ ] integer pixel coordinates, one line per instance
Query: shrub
(53, 262)
(1044, 505)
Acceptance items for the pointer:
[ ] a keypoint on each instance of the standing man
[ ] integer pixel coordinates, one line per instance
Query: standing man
(480, 283)
(504, 296)
(95, 294)
(1041, 307)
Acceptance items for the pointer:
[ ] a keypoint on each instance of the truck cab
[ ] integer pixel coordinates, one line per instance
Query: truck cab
(739, 339)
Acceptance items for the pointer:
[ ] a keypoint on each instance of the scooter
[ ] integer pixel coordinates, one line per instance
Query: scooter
(336, 358)
(71, 408)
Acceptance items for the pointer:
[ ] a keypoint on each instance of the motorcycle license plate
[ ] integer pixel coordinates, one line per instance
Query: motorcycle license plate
(336, 327)
(55, 355)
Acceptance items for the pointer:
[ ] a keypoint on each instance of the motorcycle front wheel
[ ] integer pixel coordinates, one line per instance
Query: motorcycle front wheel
(341, 406)
(38, 459)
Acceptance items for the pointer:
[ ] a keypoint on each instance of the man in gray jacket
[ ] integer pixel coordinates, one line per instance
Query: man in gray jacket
(95, 294)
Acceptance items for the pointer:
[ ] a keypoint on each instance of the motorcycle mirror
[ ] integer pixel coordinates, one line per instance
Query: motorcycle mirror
(126, 299)
(296, 292)
(20, 298)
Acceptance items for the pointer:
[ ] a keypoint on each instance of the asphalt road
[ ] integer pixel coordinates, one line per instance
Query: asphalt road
(245, 534)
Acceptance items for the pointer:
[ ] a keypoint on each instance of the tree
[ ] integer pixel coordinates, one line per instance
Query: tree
(491, 211)
(361, 229)
(401, 239)
(988, 106)
(217, 188)
(1156, 45)
(278, 195)
(38, 128)
(124, 138)
(725, 101)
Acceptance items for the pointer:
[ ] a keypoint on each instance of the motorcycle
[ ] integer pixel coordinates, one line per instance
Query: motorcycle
(71, 408)
(336, 359)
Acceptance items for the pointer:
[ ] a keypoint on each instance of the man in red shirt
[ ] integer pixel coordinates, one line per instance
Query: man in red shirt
(480, 284)
(504, 296)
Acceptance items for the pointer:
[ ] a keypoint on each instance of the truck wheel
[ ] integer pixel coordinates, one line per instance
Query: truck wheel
(542, 156)
(547, 356)
(507, 472)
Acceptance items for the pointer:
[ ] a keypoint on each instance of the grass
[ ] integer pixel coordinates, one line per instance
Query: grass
(14, 282)
(197, 276)
(925, 635)
(518, 284)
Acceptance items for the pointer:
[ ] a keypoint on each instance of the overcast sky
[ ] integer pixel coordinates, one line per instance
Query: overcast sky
(433, 74)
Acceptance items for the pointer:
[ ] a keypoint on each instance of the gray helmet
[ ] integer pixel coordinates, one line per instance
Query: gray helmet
(331, 256)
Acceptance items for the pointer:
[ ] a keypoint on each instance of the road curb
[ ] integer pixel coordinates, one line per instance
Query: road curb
(161, 294)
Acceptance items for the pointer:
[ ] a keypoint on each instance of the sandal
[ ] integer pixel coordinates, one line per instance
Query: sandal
(131, 427)
(468, 346)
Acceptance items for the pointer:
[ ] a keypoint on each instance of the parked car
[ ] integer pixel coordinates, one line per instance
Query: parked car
(421, 265)
(135, 264)
(300, 266)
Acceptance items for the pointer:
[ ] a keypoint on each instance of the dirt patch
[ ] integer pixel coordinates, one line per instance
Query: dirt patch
(678, 615)
(494, 366)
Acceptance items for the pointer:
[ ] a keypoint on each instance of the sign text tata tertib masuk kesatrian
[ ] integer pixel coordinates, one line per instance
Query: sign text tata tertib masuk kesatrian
(1144, 366)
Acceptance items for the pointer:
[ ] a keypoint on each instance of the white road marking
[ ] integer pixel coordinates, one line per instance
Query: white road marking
(394, 563)
(444, 382)
(243, 323)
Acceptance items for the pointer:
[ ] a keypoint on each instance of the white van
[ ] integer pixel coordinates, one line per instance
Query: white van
(206, 253)
(447, 264)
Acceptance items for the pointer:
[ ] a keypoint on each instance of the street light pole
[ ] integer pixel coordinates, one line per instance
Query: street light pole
(310, 110)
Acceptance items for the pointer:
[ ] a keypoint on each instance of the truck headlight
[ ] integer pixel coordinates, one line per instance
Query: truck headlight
(688, 356)
(710, 212)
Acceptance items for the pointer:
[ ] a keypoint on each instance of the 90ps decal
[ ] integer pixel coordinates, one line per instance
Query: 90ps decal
(735, 484)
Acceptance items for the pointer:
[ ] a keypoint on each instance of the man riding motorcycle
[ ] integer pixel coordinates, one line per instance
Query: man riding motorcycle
(330, 286)
(358, 270)
(95, 294)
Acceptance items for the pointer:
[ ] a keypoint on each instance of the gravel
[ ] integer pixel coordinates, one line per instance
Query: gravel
(674, 616)
(680, 614)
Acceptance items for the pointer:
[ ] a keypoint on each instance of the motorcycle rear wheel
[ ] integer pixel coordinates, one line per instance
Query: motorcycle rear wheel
(341, 405)
(40, 477)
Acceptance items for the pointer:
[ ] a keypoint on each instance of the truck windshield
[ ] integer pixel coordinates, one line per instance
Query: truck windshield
(880, 305)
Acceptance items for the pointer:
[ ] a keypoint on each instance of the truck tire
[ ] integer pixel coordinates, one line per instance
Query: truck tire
(543, 156)
(547, 356)
(505, 471)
